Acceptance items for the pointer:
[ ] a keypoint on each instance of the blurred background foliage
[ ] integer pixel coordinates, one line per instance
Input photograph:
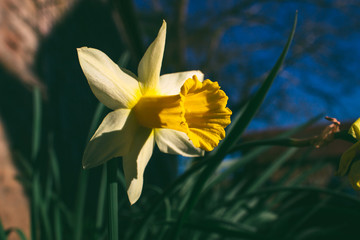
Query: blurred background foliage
(274, 193)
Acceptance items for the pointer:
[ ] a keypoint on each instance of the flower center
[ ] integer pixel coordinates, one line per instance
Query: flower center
(161, 112)
(199, 110)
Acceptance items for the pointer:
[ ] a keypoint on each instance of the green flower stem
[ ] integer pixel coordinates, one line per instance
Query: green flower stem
(36, 186)
(297, 189)
(291, 142)
(80, 204)
(344, 135)
(102, 199)
(34, 206)
(37, 112)
(113, 199)
(83, 182)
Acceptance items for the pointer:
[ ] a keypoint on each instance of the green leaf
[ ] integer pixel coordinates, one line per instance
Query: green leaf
(272, 168)
(241, 123)
(256, 152)
(35, 203)
(36, 135)
(222, 228)
(112, 167)
(263, 217)
(80, 205)
(101, 200)
(20, 233)
(272, 190)
(234, 166)
(54, 164)
(2, 232)
(100, 109)
(57, 223)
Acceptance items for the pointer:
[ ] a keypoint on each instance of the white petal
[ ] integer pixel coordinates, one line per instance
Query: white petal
(114, 88)
(135, 161)
(175, 142)
(170, 84)
(150, 64)
(111, 139)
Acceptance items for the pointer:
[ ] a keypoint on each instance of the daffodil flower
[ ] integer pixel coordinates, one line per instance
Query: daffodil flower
(180, 112)
(347, 162)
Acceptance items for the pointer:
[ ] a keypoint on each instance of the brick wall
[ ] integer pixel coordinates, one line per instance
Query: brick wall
(23, 23)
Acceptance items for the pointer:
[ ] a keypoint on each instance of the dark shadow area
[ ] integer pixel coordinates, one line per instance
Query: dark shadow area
(71, 104)
(16, 111)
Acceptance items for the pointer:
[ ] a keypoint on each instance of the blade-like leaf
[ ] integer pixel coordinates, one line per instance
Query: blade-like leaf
(233, 136)
(36, 123)
(223, 228)
(272, 168)
(2, 231)
(20, 233)
(256, 152)
(254, 104)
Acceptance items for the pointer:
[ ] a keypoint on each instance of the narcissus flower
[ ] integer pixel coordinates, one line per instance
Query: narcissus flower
(347, 163)
(180, 112)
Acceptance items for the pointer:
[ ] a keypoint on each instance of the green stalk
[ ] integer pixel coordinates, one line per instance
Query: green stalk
(80, 204)
(293, 189)
(36, 134)
(113, 200)
(101, 200)
(83, 181)
(2, 231)
(34, 206)
(35, 191)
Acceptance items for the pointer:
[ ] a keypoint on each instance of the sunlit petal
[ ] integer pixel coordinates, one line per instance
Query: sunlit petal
(111, 139)
(170, 84)
(175, 142)
(355, 129)
(114, 88)
(135, 161)
(150, 64)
